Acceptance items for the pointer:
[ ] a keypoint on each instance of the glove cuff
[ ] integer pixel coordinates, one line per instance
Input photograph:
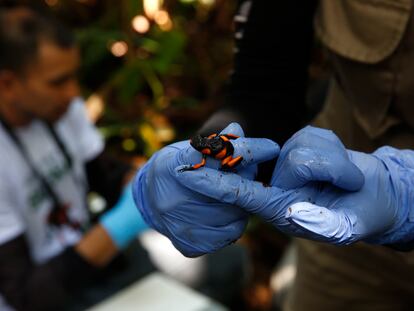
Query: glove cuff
(400, 166)
(123, 221)
(138, 192)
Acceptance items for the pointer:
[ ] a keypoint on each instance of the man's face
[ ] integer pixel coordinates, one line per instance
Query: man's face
(49, 83)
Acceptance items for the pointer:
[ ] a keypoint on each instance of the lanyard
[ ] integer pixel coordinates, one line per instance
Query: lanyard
(58, 216)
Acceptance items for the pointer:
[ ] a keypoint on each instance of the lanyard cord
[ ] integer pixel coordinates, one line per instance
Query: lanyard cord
(60, 144)
(58, 215)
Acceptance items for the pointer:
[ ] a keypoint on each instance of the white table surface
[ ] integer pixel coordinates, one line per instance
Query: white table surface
(158, 292)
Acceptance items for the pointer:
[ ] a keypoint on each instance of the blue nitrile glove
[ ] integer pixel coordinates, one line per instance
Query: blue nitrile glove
(303, 201)
(123, 222)
(194, 223)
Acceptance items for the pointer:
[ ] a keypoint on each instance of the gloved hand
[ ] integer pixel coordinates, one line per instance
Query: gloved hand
(123, 222)
(323, 192)
(194, 223)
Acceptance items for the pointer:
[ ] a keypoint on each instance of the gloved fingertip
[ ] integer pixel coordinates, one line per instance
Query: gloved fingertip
(255, 150)
(321, 223)
(356, 180)
(233, 128)
(270, 145)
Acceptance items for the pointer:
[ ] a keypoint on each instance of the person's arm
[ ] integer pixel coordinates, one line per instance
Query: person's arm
(48, 286)
(27, 286)
(115, 230)
(267, 88)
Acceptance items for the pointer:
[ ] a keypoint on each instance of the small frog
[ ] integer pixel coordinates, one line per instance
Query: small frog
(217, 146)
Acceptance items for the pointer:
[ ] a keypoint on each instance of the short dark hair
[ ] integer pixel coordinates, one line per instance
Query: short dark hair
(22, 28)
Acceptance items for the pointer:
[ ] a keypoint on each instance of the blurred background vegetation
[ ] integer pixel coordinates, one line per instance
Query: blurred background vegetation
(152, 70)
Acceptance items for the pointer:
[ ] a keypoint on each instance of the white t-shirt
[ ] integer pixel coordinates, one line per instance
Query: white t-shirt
(24, 204)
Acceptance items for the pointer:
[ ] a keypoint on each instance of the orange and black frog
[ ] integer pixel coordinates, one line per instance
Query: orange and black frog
(218, 146)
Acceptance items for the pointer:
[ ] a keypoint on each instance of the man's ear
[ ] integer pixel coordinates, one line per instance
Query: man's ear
(9, 85)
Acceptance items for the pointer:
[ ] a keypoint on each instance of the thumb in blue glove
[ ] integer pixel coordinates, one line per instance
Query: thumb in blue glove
(123, 222)
(313, 191)
(314, 154)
